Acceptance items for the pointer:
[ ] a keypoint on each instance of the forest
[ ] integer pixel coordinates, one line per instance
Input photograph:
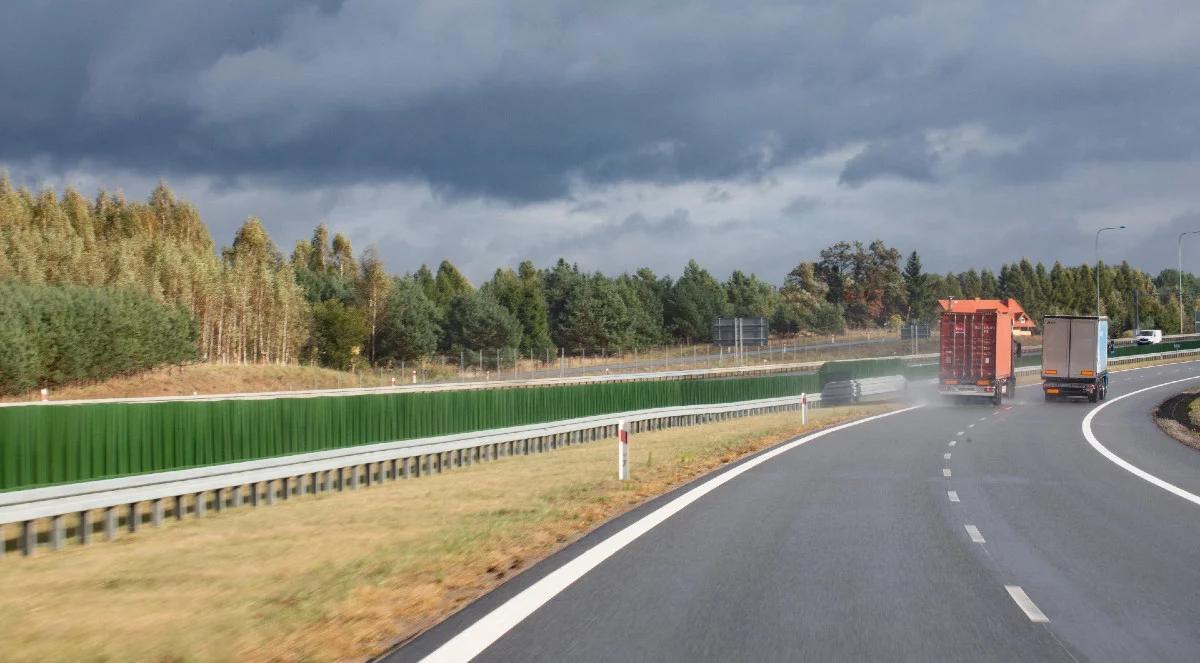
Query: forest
(150, 283)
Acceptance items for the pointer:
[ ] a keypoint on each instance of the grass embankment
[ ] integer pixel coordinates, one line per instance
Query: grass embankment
(209, 379)
(341, 576)
(1179, 417)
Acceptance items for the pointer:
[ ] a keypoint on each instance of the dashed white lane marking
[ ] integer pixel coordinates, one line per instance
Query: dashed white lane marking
(953, 495)
(946, 456)
(983, 418)
(973, 532)
(1026, 604)
(472, 640)
(953, 442)
(961, 432)
(1121, 462)
(946, 472)
(970, 425)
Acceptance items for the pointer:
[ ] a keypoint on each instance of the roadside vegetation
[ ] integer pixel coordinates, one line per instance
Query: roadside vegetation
(343, 576)
(326, 305)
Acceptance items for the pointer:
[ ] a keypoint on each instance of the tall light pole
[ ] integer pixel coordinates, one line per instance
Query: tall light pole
(1098, 262)
(1179, 269)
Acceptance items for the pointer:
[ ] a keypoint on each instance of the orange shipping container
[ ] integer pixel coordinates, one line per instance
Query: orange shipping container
(976, 354)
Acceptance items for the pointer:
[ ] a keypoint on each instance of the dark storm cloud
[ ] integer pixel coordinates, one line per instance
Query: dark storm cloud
(909, 158)
(516, 101)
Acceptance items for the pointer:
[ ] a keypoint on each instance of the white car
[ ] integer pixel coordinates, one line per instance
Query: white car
(1148, 337)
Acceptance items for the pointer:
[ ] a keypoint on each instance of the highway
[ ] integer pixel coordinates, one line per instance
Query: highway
(942, 532)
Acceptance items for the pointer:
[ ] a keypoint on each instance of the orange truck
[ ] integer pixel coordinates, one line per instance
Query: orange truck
(977, 355)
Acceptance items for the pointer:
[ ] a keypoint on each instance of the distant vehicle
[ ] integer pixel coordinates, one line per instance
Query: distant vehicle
(976, 355)
(1148, 337)
(1075, 357)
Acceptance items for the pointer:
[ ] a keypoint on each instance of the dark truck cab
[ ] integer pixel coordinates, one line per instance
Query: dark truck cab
(1075, 357)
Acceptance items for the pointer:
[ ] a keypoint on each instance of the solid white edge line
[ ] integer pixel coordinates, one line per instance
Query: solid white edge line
(1121, 462)
(1026, 604)
(961, 433)
(974, 533)
(471, 641)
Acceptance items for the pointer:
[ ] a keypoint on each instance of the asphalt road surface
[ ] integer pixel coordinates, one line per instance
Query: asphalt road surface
(944, 532)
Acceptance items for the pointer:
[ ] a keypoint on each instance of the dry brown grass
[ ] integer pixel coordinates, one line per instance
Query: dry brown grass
(341, 576)
(211, 379)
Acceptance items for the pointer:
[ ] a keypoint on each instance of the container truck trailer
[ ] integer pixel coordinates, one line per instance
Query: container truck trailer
(1075, 357)
(977, 355)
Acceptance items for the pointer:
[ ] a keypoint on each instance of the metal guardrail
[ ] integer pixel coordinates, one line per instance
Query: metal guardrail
(196, 491)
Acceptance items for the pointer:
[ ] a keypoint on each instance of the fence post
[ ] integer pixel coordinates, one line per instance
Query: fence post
(622, 450)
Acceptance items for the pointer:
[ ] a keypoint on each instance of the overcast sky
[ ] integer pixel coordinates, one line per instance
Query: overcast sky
(621, 134)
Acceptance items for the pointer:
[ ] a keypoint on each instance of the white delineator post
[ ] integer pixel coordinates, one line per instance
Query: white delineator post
(45, 394)
(804, 409)
(622, 450)
(414, 377)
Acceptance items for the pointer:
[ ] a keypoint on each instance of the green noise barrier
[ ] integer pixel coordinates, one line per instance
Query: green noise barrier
(854, 369)
(1165, 346)
(43, 445)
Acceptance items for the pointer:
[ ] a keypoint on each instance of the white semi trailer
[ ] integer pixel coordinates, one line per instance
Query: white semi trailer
(1075, 357)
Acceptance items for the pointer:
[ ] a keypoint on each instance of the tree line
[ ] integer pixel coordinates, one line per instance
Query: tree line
(327, 305)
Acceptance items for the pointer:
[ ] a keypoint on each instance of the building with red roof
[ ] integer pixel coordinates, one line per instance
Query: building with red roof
(1023, 325)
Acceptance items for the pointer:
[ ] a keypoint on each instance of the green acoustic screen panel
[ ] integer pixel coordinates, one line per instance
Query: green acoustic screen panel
(51, 444)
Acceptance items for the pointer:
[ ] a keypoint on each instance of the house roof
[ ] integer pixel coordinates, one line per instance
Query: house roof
(1021, 319)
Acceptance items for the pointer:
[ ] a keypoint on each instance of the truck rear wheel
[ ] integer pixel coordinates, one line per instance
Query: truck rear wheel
(996, 395)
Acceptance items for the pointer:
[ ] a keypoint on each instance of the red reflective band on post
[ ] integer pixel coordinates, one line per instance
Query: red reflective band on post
(624, 436)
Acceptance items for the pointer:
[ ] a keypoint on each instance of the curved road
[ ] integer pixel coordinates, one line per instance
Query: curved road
(849, 547)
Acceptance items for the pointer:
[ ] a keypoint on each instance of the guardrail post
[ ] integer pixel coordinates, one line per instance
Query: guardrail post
(85, 530)
(622, 451)
(134, 518)
(110, 523)
(219, 500)
(28, 537)
(237, 497)
(156, 513)
(406, 467)
(178, 508)
(253, 494)
(56, 532)
(201, 505)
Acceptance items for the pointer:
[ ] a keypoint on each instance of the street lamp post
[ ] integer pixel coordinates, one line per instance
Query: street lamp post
(1098, 262)
(1179, 269)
